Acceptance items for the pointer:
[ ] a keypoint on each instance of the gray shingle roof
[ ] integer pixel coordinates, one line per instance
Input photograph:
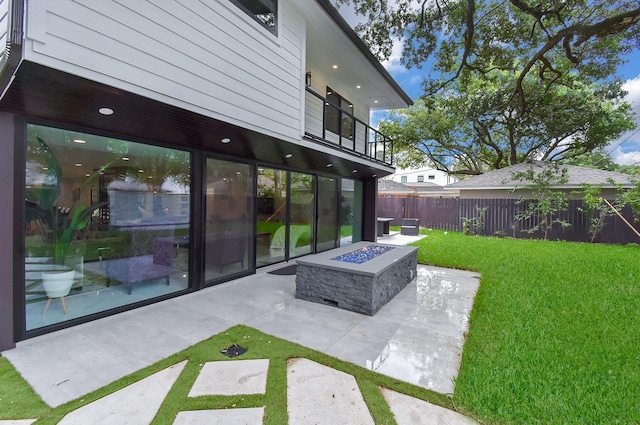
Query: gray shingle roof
(502, 178)
(425, 186)
(387, 185)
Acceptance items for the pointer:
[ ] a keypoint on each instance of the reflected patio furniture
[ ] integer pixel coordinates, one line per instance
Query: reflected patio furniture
(142, 268)
(42, 277)
(225, 248)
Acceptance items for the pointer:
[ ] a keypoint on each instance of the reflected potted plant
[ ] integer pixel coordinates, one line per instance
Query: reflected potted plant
(55, 224)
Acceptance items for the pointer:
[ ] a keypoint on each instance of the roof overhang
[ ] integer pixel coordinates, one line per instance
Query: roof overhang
(331, 41)
(57, 98)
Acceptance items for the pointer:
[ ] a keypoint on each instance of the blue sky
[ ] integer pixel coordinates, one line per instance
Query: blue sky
(625, 150)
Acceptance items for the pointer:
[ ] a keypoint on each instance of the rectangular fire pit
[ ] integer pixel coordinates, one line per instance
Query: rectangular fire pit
(361, 277)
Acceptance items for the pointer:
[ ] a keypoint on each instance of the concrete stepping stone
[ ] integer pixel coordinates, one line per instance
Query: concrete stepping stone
(317, 394)
(137, 403)
(412, 411)
(244, 416)
(231, 377)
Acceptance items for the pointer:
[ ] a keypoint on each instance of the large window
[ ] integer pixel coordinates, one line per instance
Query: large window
(263, 11)
(107, 224)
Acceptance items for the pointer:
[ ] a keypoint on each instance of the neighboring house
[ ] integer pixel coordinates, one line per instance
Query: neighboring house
(499, 184)
(422, 175)
(212, 137)
(391, 188)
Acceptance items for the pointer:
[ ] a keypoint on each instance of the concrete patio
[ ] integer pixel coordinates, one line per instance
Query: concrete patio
(417, 337)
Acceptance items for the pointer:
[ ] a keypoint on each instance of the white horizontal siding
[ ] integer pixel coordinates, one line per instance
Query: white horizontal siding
(313, 118)
(4, 26)
(206, 56)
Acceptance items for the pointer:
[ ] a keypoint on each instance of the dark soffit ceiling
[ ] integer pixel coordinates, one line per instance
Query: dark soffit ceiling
(51, 95)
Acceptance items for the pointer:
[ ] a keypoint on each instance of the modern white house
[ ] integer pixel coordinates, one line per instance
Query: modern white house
(155, 148)
(410, 176)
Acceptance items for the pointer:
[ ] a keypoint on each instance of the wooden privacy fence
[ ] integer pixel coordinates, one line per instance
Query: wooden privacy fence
(500, 218)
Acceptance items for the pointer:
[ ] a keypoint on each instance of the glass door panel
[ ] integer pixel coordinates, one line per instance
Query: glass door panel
(229, 226)
(271, 216)
(327, 214)
(350, 212)
(302, 214)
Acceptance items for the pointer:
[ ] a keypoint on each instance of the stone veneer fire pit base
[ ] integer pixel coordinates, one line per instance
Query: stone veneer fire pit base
(363, 288)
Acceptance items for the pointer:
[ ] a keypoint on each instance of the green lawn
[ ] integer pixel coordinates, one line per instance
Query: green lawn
(554, 339)
(554, 332)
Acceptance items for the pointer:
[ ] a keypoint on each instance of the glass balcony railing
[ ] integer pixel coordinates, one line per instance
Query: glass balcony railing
(327, 123)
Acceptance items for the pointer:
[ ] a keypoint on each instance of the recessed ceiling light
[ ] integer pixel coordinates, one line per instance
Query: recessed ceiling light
(125, 158)
(141, 171)
(106, 111)
(149, 177)
(288, 155)
(329, 165)
(88, 175)
(355, 171)
(225, 140)
(78, 164)
(45, 168)
(374, 175)
(375, 101)
(79, 141)
(335, 66)
(357, 87)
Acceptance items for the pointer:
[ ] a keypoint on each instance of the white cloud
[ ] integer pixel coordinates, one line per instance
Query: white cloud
(627, 147)
(393, 64)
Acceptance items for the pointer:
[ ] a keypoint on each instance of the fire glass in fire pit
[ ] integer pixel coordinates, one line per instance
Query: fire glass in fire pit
(361, 255)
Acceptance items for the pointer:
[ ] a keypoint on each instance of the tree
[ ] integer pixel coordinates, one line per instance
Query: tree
(601, 160)
(596, 208)
(597, 159)
(475, 126)
(544, 203)
(548, 41)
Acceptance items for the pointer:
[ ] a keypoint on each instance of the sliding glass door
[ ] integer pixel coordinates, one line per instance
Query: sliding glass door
(271, 216)
(228, 203)
(327, 226)
(301, 215)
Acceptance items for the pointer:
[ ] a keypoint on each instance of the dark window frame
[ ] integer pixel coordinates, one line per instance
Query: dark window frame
(335, 121)
(255, 16)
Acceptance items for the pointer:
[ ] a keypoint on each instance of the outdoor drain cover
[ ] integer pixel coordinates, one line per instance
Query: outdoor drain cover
(234, 350)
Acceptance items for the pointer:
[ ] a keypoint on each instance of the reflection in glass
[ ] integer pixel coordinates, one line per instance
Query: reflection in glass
(271, 207)
(111, 215)
(302, 212)
(327, 214)
(228, 204)
(350, 212)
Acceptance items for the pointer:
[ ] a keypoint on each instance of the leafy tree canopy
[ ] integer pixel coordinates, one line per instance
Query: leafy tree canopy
(511, 80)
(547, 40)
(475, 125)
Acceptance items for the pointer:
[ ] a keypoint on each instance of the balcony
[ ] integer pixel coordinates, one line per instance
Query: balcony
(327, 123)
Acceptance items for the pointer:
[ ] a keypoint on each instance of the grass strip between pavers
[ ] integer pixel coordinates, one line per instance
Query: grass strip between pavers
(260, 346)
